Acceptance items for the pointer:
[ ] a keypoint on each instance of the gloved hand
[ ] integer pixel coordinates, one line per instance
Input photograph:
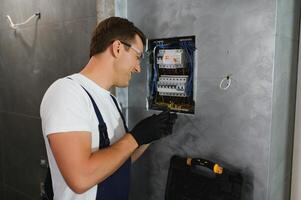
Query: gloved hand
(154, 127)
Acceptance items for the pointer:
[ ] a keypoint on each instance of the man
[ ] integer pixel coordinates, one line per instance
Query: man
(88, 145)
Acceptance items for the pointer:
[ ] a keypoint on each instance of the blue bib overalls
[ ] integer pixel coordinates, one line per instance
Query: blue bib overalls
(116, 186)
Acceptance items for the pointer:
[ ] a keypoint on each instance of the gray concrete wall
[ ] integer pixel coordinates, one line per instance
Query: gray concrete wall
(233, 127)
(30, 60)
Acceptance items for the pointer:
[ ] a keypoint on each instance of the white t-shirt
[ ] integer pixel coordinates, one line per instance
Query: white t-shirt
(67, 107)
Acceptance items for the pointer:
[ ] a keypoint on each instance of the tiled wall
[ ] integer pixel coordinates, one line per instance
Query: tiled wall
(31, 58)
(233, 127)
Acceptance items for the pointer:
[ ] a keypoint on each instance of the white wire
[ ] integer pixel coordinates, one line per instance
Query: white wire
(228, 79)
(14, 26)
(11, 24)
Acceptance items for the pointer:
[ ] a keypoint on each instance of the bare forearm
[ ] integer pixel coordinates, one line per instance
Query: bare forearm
(81, 168)
(103, 163)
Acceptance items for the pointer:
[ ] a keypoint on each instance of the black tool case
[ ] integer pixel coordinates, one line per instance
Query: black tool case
(200, 179)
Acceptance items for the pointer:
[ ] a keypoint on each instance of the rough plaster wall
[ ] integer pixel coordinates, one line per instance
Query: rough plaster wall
(232, 127)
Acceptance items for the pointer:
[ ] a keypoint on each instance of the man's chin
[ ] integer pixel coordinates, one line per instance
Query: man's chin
(123, 85)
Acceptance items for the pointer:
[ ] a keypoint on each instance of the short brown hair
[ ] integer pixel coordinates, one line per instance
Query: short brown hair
(110, 29)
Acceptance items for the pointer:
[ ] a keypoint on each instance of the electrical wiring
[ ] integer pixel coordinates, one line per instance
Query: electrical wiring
(225, 82)
(189, 49)
(171, 79)
(15, 26)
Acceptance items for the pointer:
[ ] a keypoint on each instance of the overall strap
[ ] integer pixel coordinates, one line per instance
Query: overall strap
(102, 128)
(116, 186)
(122, 117)
(104, 141)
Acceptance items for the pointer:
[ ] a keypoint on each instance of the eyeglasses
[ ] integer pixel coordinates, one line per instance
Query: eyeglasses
(137, 51)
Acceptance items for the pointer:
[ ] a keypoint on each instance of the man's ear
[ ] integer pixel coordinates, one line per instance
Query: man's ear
(116, 47)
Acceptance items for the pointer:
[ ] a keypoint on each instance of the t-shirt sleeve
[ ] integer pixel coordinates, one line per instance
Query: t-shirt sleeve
(65, 107)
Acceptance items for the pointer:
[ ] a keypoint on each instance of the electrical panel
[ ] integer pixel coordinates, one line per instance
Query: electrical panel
(171, 74)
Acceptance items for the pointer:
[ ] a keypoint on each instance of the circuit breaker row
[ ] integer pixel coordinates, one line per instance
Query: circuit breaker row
(172, 85)
(169, 85)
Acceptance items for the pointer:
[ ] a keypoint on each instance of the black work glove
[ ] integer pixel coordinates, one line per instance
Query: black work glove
(154, 127)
